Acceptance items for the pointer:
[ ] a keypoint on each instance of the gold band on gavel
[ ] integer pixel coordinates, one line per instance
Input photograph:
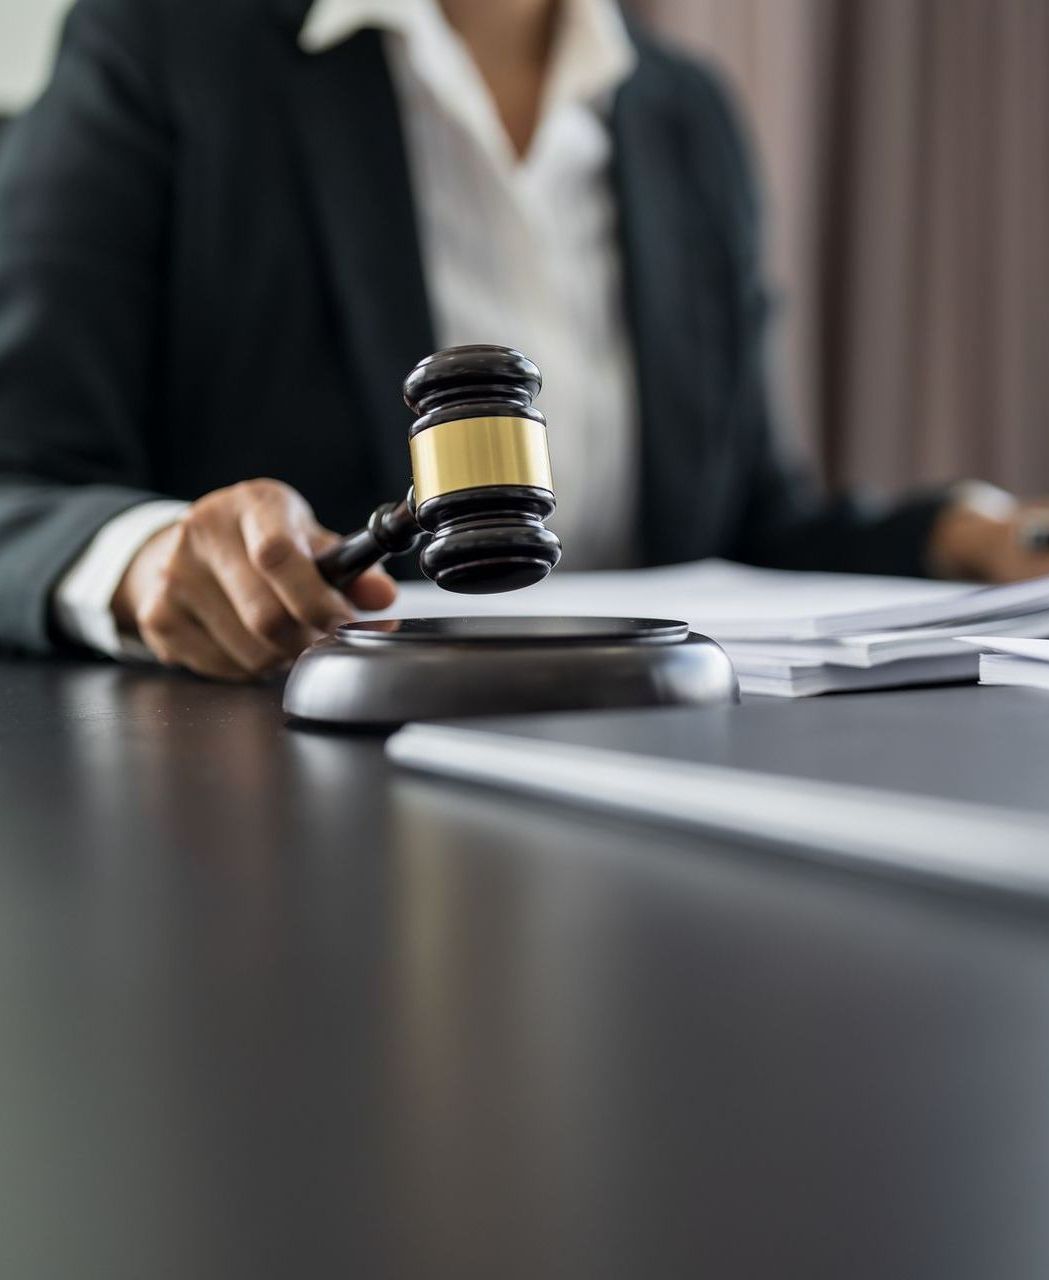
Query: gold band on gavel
(471, 453)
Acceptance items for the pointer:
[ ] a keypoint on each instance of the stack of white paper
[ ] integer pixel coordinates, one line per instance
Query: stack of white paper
(1024, 663)
(788, 634)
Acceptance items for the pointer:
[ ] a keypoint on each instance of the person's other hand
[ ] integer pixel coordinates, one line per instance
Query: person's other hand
(232, 591)
(991, 537)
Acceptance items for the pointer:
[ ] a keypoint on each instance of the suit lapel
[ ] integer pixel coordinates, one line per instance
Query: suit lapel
(356, 172)
(673, 266)
(357, 176)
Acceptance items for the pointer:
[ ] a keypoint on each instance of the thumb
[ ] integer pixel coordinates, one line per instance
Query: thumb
(373, 590)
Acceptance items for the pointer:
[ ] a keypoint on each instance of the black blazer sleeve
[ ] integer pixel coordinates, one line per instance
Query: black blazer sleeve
(83, 198)
(787, 521)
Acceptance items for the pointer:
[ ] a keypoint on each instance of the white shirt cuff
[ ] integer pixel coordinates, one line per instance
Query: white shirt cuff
(986, 499)
(83, 598)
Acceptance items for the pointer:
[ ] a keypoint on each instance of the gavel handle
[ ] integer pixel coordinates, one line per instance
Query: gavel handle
(390, 531)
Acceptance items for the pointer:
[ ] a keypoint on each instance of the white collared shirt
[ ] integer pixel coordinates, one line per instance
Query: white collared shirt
(520, 251)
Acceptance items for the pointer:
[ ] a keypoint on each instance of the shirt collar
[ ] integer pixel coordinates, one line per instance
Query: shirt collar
(594, 54)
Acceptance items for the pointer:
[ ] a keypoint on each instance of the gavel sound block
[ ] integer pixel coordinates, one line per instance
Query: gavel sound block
(481, 490)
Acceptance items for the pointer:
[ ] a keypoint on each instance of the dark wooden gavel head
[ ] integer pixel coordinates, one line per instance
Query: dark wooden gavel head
(481, 470)
(481, 478)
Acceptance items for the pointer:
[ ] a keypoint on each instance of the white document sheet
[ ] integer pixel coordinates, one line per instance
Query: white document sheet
(882, 647)
(1022, 663)
(736, 602)
(807, 679)
(1022, 673)
(1038, 650)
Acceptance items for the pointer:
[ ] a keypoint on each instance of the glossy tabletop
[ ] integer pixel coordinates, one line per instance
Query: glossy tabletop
(269, 1009)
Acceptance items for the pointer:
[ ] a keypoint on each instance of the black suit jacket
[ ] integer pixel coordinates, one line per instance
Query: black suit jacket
(209, 271)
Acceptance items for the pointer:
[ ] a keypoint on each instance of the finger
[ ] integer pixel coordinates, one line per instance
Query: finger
(281, 554)
(259, 610)
(178, 640)
(211, 608)
(373, 590)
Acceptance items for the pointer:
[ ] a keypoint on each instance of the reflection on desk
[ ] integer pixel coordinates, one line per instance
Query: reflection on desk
(269, 1009)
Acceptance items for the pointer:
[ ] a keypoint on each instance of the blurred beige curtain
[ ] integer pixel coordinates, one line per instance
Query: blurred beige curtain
(905, 144)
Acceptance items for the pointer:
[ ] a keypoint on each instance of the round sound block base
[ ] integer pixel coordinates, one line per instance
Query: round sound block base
(388, 672)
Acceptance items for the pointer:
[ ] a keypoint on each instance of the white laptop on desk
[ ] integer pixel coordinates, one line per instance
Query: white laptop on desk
(659, 766)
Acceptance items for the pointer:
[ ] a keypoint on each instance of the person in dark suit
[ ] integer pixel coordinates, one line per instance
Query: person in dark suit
(228, 229)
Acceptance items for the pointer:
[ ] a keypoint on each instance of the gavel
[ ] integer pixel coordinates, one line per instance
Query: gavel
(480, 492)
(481, 483)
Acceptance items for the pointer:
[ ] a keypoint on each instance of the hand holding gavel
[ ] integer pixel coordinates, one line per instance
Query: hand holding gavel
(248, 578)
(233, 591)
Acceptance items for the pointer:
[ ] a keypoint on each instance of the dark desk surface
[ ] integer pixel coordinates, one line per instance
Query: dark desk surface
(267, 1009)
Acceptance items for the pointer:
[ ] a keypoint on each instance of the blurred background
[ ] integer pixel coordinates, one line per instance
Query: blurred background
(905, 148)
